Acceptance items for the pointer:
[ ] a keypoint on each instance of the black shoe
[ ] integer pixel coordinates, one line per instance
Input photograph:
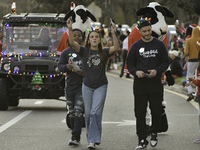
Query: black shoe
(196, 99)
(153, 140)
(142, 144)
(120, 75)
(128, 76)
(190, 97)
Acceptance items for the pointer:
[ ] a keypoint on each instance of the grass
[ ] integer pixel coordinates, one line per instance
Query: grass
(179, 80)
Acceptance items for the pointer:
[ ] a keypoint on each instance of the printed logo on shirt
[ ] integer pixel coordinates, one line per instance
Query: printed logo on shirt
(147, 54)
(95, 59)
(73, 58)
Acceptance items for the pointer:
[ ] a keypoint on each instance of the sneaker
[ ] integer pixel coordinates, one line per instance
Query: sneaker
(91, 145)
(197, 141)
(73, 142)
(142, 144)
(153, 140)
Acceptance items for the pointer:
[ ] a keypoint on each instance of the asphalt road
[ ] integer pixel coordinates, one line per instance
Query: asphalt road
(40, 124)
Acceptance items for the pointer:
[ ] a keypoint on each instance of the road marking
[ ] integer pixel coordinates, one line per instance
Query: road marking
(14, 120)
(124, 123)
(38, 102)
(119, 123)
(195, 104)
(63, 121)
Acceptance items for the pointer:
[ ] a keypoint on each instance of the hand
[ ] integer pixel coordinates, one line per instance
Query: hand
(152, 73)
(80, 72)
(113, 28)
(190, 78)
(69, 67)
(69, 23)
(140, 74)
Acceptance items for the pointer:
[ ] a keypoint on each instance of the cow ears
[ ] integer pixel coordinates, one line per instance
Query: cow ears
(168, 13)
(69, 14)
(142, 11)
(89, 14)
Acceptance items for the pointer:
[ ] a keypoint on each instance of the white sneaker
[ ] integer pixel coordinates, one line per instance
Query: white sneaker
(197, 141)
(91, 145)
(73, 142)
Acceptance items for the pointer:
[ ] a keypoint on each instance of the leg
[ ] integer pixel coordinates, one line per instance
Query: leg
(140, 100)
(87, 99)
(78, 114)
(96, 112)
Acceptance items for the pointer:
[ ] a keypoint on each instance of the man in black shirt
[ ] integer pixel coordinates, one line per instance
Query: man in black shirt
(146, 61)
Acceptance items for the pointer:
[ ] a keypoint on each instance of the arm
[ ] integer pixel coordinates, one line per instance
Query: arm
(186, 50)
(164, 60)
(115, 40)
(73, 43)
(63, 63)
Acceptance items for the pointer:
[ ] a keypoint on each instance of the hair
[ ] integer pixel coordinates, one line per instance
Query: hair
(102, 53)
(144, 22)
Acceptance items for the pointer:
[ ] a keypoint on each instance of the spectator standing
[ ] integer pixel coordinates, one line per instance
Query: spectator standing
(124, 54)
(73, 91)
(146, 61)
(196, 81)
(191, 51)
(175, 64)
(94, 89)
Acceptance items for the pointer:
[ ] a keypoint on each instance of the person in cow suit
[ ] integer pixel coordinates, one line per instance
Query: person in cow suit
(146, 61)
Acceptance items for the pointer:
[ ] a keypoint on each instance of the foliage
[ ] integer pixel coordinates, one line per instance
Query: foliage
(122, 11)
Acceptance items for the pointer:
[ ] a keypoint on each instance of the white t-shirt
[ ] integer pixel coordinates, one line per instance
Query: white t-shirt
(125, 44)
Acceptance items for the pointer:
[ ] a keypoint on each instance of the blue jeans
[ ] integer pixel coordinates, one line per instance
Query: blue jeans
(94, 100)
(75, 106)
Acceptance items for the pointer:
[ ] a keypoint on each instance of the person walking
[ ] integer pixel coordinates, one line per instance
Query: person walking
(94, 88)
(70, 62)
(146, 61)
(124, 51)
(191, 52)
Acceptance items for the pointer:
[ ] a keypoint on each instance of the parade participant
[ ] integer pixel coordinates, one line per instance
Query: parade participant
(70, 62)
(94, 89)
(196, 81)
(146, 61)
(62, 44)
(191, 52)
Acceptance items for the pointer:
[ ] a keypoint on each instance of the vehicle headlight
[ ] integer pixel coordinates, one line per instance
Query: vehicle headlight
(6, 67)
(56, 69)
(16, 69)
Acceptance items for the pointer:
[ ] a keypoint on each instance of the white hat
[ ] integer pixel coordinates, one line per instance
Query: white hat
(174, 52)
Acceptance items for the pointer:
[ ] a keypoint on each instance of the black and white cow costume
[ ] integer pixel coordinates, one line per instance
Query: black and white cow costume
(80, 17)
(157, 13)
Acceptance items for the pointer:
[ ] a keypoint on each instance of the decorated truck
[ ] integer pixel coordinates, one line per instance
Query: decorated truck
(28, 68)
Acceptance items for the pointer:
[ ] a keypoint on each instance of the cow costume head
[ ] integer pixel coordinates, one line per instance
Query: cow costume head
(157, 13)
(80, 18)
